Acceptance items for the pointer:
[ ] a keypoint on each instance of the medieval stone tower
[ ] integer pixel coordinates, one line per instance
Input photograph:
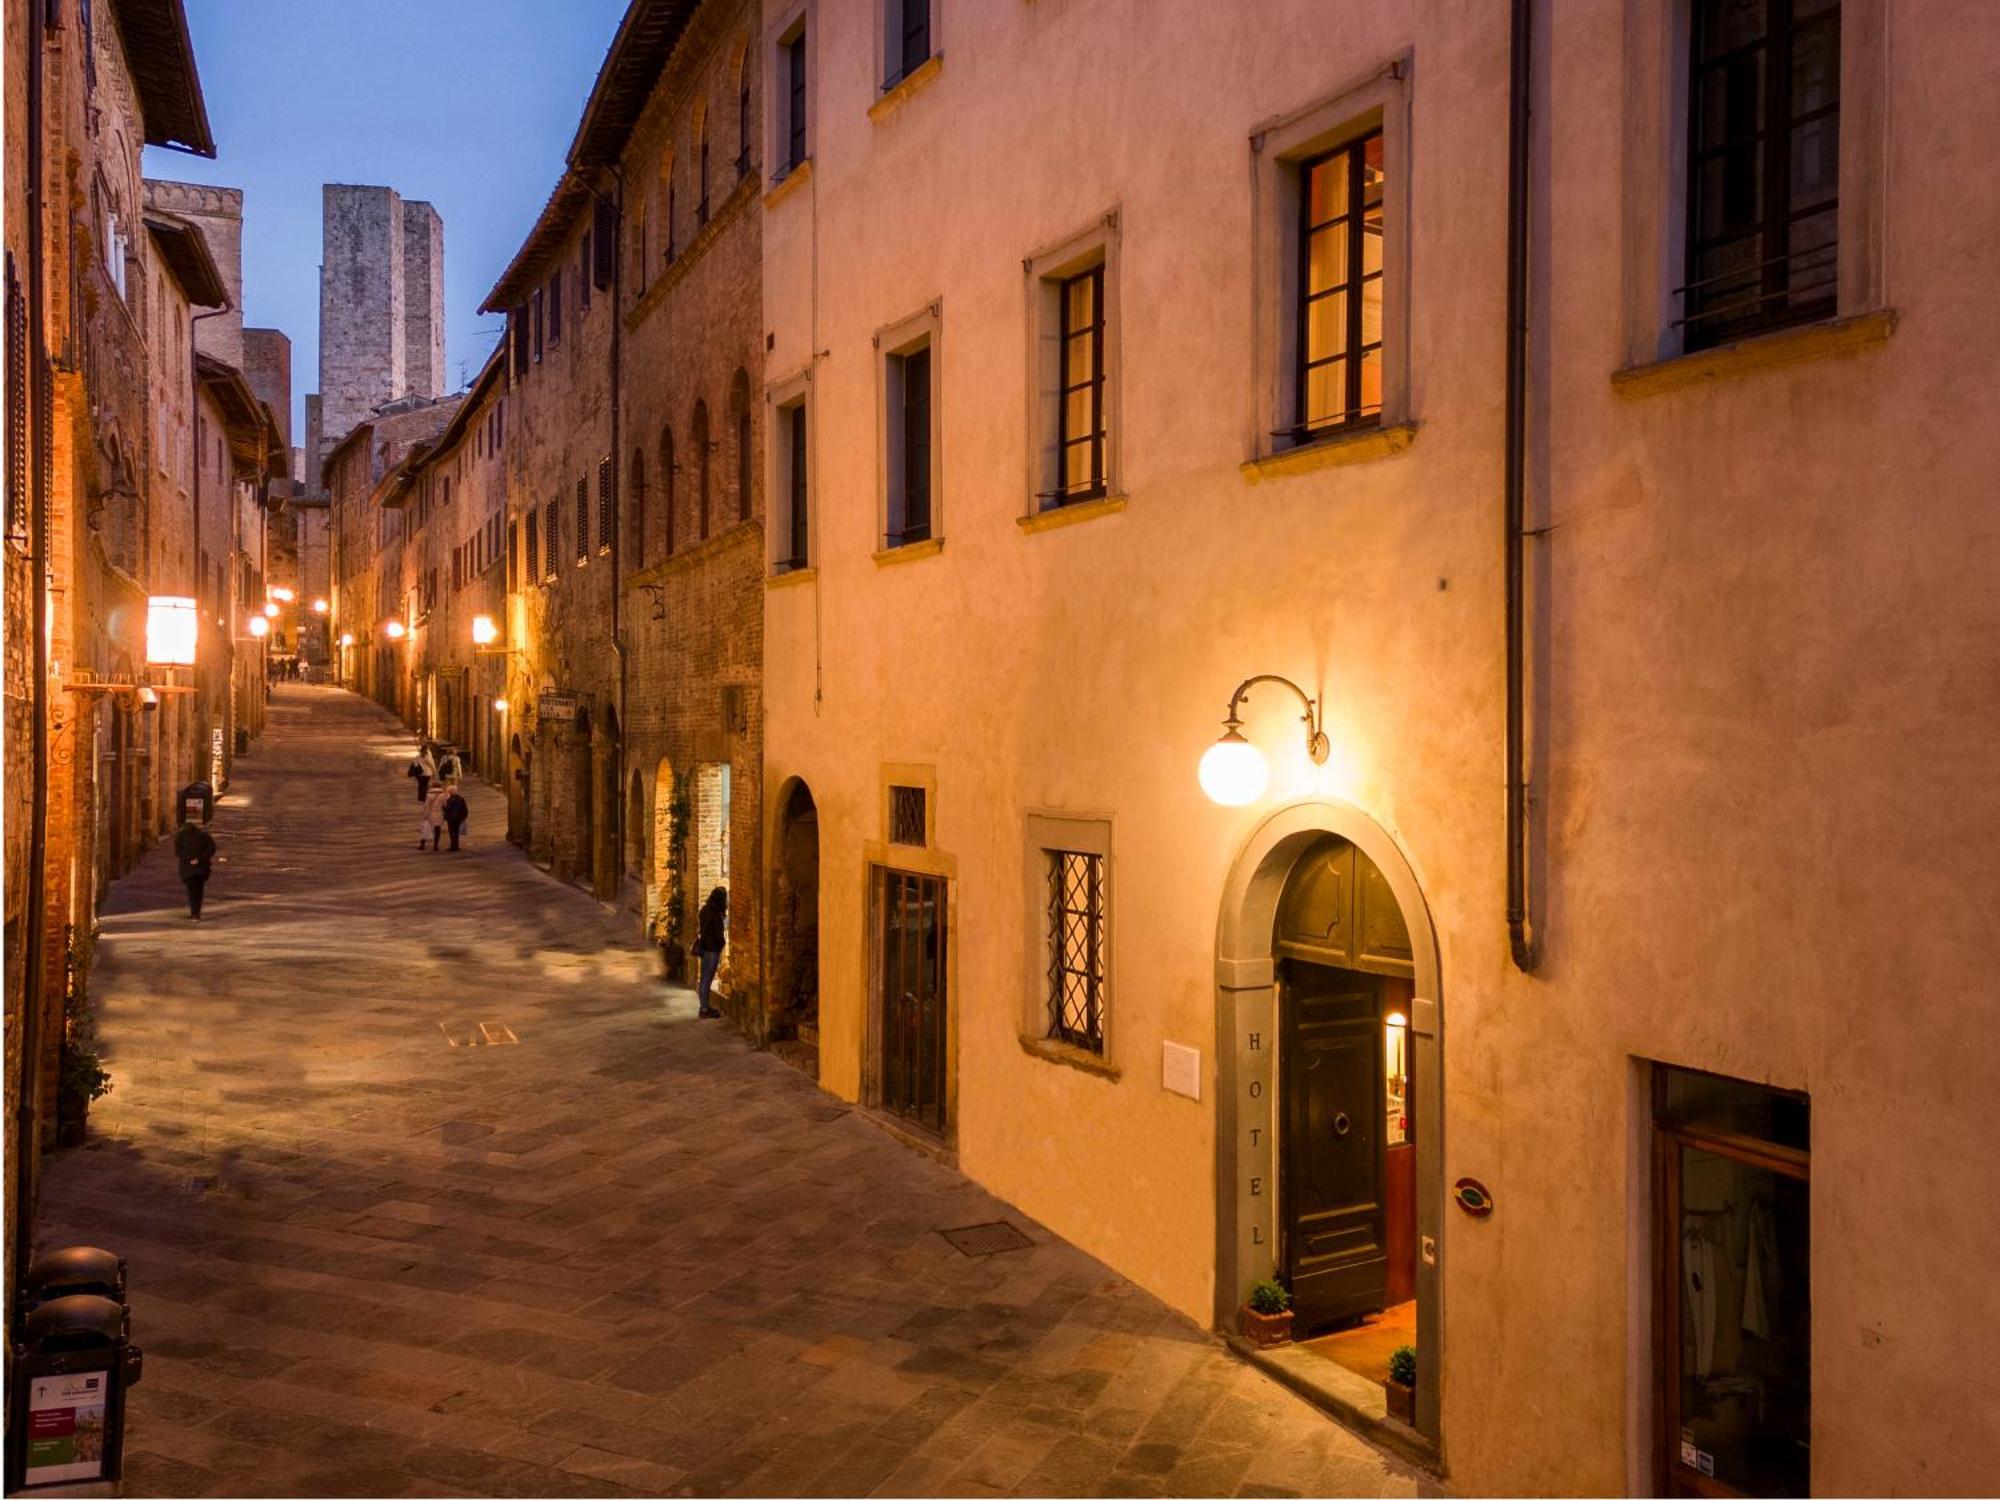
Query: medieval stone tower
(381, 309)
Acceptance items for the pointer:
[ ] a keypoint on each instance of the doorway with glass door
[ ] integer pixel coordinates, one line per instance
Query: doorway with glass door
(912, 1014)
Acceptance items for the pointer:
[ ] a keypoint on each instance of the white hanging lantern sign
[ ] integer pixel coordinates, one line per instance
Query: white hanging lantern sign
(172, 626)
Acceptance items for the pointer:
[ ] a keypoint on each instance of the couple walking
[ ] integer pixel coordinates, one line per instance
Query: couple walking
(436, 776)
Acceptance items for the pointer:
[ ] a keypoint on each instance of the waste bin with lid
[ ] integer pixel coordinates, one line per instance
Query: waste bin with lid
(197, 802)
(74, 1271)
(73, 1362)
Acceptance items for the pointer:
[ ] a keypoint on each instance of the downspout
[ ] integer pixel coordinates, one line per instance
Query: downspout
(617, 522)
(204, 767)
(26, 1152)
(1524, 948)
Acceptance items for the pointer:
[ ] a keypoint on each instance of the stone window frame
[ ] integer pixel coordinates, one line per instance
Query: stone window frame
(1045, 270)
(797, 22)
(894, 341)
(793, 392)
(1654, 200)
(1379, 99)
(1046, 832)
(893, 86)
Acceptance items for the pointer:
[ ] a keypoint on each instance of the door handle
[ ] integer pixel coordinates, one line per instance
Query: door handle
(1341, 1124)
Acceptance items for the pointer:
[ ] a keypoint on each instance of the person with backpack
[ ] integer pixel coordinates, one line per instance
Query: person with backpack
(194, 850)
(455, 813)
(711, 933)
(424, 770)
(449, 767)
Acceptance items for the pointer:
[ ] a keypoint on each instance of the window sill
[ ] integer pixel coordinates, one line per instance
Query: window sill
(783, 188)
(1071, 515)
(1071, 1057)
(897, 95)
(910, 551)
(1786, 346)
(790, 577)
(1343, 448)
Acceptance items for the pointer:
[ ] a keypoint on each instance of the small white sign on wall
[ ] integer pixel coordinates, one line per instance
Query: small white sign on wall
(1180, 1069)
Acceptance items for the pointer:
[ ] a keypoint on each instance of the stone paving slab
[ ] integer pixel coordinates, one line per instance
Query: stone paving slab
(622, 1254)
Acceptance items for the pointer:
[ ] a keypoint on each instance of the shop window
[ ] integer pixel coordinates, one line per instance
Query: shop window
(1733, 1336)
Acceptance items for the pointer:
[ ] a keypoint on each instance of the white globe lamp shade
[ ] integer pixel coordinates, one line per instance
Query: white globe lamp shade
(1233, 772)
(319, 606)
(259, 626)
(394, 630)
(484, 631)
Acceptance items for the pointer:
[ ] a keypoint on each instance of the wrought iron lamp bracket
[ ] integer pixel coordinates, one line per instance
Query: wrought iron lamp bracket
(1316, 744)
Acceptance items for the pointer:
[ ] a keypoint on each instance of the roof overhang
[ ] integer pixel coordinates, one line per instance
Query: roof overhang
(160, 55)
(185, 250)
(246, 421)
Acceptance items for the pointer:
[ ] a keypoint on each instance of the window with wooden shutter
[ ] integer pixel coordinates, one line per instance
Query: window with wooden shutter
(604, 504)
(582, 519)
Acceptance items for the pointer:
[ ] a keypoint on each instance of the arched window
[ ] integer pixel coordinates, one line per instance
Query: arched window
(666, 195)
(701, 451)
(669, 471)
(701, 169)
(739, 408)
(635, 531)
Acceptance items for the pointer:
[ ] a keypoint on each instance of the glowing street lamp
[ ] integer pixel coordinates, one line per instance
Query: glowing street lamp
(394, 630)
(172, 624)
(259, 627)
(484, 631)
(346, 639)
(499, 705)
(270, 610)
(283, 594)
(319, 606)
(1233, 771)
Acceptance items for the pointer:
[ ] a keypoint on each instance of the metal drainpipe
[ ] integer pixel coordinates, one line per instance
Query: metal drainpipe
(26, 1152)
(197, 446)
(1525, 949)
(617, 523)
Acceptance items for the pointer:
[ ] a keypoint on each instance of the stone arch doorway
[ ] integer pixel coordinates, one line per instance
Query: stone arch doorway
(1292, 846)
(795, 907)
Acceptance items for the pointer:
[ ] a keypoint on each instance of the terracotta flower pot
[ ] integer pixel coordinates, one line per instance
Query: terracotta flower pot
(1267, 1330)
(1402, 1401)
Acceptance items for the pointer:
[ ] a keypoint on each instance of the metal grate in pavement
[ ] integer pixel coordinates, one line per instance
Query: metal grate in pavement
(986, 1239)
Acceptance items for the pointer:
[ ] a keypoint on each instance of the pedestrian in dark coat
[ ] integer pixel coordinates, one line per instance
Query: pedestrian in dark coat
(711, 933)
(455, 814)
(194, 850)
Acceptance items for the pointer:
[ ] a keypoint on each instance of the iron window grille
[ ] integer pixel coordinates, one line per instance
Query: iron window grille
(795, 433)
(1339, 366)
(908, 816)
(914, 1016)
(1080, 418)
(604, 504)
(910, 518)
(582, 518)
(1763, 167)
(1076, 949)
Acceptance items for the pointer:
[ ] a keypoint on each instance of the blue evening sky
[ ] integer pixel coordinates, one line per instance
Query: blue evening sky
(467, 104)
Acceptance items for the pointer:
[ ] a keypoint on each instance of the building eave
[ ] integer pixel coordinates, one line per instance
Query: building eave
(160, 56)
(184, 248)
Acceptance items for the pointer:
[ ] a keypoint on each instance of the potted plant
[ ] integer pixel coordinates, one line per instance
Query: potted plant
(1401, 1386)
(1267, 1315)
(83, 1080)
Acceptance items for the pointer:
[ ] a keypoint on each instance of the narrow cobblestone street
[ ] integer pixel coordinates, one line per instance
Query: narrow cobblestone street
(612, 1250)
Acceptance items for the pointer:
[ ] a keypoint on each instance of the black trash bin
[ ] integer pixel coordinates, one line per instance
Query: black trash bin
(75, 1271)
(198, 802)
(73, 1363)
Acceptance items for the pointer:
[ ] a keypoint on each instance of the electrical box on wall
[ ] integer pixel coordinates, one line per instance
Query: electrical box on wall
(1180, 1069)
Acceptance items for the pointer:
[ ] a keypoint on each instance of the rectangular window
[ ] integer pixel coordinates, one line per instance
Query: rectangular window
(1763, 166)
(743, 120)
(537, 303)
(908, 816)
(794, 490)
(1733, 1258)
(555, 307)
(795, 109)
(910, 500)
(604, 242)
(17, 409)
(909, 39)
(1339, 372)
(583, 275)
(534, 548)
(604, 504)
(1076, 949)
(549, 520)
(1080, 438)
(521, 339)
(514, 553)
(582, 519)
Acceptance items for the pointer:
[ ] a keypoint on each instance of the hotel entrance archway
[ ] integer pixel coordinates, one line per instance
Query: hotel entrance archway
(1303, 864)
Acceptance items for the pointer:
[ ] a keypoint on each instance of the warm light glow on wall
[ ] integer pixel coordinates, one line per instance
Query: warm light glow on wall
(319, 606)
(286, 595)
(484, 631)
(346, 638)
(270, 610)
(259, 626)
(499, 705)
(394, 630)
(171, 628)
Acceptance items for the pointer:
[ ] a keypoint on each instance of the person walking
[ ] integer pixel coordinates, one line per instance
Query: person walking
(194, 850)
(455, 813)
(425, 770)
(432, 828)
(449, 766)
(711, 932)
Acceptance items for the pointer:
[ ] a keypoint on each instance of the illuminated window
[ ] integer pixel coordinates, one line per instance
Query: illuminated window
(1339, 298)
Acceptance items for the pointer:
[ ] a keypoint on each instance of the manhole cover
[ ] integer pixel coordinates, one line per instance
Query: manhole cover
(986, 1239)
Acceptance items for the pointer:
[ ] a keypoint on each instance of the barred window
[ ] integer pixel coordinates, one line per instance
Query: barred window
(908, 816)
(17, 409)
(1076, 949)
(604, 504)
(582, 518)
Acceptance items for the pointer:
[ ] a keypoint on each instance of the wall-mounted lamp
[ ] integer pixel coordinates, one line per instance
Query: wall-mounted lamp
(499, 705)
(346, 638)
(319, 606)
(259, 627)
(284, 594)
(270, 610)
(394, 630)
(1232, 771)
(171, 627)
(484, 631)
